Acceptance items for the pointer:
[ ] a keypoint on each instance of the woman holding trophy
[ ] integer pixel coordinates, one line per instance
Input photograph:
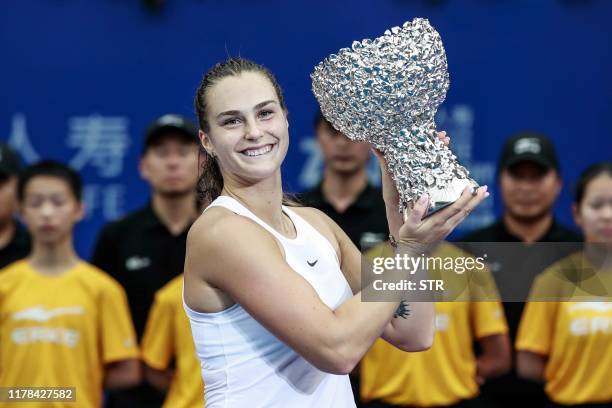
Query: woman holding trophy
(273, 292)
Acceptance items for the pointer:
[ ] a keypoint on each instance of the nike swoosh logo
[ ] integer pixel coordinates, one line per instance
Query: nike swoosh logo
(312, 263)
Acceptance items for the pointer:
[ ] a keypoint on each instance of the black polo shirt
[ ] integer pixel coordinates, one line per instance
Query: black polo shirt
(141, 254)
(509, 390)
(364, 221)
(498, 232)
(508, 262)
(18, 247)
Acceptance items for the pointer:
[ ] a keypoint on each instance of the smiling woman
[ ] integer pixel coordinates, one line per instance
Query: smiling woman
(272, 292)
(211, 180)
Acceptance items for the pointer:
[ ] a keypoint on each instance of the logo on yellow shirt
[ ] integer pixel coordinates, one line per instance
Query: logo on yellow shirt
(42, 334)
(595, 306)
(598, 321)
(42, 314)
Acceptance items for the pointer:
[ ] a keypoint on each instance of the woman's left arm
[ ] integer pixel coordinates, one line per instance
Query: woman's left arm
(412, 327)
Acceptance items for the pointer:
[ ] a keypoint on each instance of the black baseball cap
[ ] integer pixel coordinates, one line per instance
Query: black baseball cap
(9, 161)
(169, 123)
(529, 147)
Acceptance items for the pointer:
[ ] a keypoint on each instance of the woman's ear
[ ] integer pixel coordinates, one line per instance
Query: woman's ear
(206, 143)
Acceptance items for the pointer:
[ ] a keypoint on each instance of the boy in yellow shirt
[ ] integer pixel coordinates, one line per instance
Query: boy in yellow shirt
(63, 322)
(167, 336)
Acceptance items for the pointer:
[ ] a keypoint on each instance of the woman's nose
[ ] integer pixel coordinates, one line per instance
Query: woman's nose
(252, 130)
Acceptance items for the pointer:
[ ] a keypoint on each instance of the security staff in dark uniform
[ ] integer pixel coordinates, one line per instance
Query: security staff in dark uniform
(530, 182)
(14, 239)
(146, 249)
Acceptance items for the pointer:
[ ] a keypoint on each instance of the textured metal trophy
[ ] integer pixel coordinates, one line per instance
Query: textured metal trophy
(386, 92)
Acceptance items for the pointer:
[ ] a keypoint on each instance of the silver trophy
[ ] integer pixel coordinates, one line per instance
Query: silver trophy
(386, 92)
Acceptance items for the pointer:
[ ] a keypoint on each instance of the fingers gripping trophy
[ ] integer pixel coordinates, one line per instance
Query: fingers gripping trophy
(386, 92)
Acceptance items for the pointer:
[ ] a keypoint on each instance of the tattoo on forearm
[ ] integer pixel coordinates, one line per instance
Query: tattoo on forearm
(402, 310)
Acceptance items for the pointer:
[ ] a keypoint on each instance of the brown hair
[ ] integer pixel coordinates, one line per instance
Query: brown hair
(210, 183)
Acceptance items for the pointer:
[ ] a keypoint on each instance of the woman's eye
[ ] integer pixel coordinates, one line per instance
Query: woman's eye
(231, 122)
(265, 113)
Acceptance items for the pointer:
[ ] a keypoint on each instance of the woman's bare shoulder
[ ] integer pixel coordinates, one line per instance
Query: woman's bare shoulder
(220, 234)
(220, 225)
(208, 221)
(221, 241)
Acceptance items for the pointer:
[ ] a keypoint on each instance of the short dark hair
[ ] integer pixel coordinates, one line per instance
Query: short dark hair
(50, 168)
(587, 176)
(318, 118)
(321, 120)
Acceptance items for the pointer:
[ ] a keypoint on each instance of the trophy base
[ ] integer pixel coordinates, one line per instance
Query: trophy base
(442, 198)
(437, 207)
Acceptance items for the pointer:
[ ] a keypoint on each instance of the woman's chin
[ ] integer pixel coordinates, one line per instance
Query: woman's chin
(259, 172)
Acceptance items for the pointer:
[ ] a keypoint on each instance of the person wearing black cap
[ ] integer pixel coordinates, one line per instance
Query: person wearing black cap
(146, 249)
(529, 182)
(14, 239)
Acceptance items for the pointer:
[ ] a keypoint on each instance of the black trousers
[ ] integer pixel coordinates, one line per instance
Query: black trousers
(481, 403)
(600, 405)
(472, 403)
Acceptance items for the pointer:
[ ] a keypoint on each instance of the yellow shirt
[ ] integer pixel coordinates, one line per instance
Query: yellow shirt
(442, 375)
(60, 331)
(575, 336)
(168, 335)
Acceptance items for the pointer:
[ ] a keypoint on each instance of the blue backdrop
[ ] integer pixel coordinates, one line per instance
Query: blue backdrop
(81, 79)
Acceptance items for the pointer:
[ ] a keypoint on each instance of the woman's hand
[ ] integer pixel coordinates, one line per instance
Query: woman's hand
(417, 231)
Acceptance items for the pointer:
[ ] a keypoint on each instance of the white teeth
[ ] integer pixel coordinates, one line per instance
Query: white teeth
(258, 152)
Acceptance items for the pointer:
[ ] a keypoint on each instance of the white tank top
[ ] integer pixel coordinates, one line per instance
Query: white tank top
(243, 364)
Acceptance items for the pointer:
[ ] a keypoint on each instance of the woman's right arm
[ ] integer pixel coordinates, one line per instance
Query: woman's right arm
(250, 268)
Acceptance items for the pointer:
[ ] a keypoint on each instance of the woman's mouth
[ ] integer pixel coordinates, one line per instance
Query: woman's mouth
(258, 151)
